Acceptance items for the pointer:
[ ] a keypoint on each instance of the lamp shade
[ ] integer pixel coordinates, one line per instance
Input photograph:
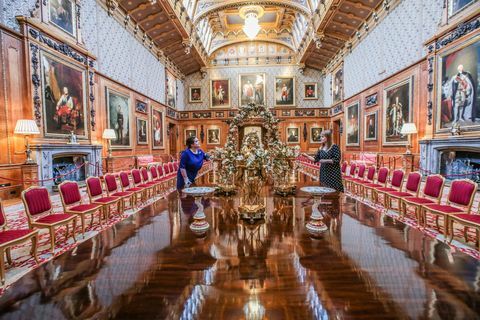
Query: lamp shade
(408, 128)
(26, 127)
(109, 134)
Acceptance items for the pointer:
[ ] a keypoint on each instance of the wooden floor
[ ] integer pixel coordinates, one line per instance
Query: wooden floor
(151, 266)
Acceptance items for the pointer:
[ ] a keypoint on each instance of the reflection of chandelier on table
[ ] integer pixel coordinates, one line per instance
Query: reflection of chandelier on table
(251, 14)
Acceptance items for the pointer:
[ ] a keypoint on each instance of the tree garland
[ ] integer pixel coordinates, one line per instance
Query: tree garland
(275, 156)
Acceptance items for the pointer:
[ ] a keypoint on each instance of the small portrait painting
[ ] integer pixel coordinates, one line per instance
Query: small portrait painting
(213, 136)
(397, 111)
(190, 133)
(371, 126)
(310, 91)
(337, 85)
(220, 93)
(157, 125)
(293, 135)
(142, 132)
(353, 125)
(64, 100)
(284, 91)
(141, 107)
(195, 94)
(251, 89)
(118, 105)
(62, 14)
(171, 90)
(315, 134)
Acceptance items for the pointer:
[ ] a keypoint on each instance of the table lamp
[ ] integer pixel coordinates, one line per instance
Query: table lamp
(109, 134)
(408, 129)
(27, 127)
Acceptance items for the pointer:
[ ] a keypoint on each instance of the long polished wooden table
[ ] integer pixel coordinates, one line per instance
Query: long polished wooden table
(152, 266)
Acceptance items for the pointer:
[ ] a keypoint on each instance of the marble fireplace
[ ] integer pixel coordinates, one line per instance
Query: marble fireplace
(456, 157)
(56, 160)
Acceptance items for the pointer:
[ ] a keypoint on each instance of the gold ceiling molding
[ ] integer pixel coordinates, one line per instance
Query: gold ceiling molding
(225, 5)
(239, 41)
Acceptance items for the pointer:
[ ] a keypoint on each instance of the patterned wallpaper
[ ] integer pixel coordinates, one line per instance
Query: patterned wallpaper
(118, 54)
(396, 43)
(327, 90)
(310, 75)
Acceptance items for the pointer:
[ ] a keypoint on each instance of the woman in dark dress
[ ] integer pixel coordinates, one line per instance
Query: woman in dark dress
(191, 161)
(329, 156)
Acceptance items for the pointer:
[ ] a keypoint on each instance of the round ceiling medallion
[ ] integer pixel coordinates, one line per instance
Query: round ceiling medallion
(258, 10)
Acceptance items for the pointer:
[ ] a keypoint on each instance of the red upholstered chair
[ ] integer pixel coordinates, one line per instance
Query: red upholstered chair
(10, 238)
(95, 193)
(138, 182)
(40, 213)
(137, 191)
(344, 168)
(351, 175)
(175, 166)
(112, 190)
(395, 185)
(72, 203)
(360, 176)
(369, 179)
(412, 187)
(382, 179)
(468, 221)
(168, 175)
(154, 185)
(157, 178)
(459, 201)
(432, 193)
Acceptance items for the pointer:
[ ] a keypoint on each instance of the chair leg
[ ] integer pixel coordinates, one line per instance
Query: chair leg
(74, 223)
(82, 221)
(52, 240)
(34, 247)
(452, 234)
(67, 232)
(8, 252)
(2, 266)
(465, 233)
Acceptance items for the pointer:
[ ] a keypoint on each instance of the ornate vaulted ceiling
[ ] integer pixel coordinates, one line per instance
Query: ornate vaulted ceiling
(313, 31)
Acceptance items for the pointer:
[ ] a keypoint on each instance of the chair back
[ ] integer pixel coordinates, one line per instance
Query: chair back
(36, 201)
(361, 171)
(433, 187)
(160, 170)
(382, 175)
(462, 192)
(166, 168)
(110, 182)
(137, 178)
(175, 166)
(344, 167)
(397, 179)
(413, 182)
(153, 172)
(124, 180)
(353, 167)
(144, 173)
(171, 167)
(94, 187)
(371, 173)
(69, 193)
(3, 218)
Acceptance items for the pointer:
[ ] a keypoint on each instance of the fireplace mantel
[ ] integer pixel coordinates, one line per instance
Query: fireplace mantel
(44, 153)
(430, 150)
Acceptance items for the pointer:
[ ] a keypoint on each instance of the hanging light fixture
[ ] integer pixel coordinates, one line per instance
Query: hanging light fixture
(251, 14)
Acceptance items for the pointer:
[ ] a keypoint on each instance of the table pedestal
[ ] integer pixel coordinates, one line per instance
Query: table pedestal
(316, 224)
(200, 224)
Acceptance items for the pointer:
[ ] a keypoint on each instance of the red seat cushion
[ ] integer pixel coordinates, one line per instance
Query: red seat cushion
(400, 194)
(106, 199)
(121, 194)
(152, 183)
(385, 189)
(9, 235)
(417, 200)
(134, 189)
(475, 218)
(54, 218)
(144, 185)
(373, 185)
(443, 208)
(365, 182)
(84, 207)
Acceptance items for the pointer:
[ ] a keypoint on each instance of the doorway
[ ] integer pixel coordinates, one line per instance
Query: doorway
(173, 138)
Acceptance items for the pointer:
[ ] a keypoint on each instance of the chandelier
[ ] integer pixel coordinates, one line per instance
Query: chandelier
(251, 14)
